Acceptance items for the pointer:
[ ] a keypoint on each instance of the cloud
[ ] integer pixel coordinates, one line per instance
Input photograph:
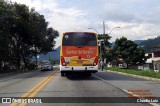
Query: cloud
(138, 19)
(60, 18)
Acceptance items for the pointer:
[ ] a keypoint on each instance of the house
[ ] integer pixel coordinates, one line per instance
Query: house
(148, 64)
(153, 60)
(156, 58)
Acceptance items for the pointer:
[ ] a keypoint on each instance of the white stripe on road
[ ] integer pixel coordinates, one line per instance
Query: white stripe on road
(153, 104)
(99, 78)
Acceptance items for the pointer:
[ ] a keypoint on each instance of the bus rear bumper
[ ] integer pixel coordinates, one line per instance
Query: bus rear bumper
(79, 68)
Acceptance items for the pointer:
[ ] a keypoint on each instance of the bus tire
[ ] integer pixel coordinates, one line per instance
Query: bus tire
(62, 74)
(88, 74)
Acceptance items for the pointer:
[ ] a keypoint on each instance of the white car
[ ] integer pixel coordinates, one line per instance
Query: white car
(46, 66)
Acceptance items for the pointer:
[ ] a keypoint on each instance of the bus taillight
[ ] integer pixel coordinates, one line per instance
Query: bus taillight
(95, 61)
(63, 61)
(79, 57)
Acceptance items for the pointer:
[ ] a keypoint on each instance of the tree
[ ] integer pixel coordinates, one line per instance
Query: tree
(104, 44)
(106, 39)
(4, 39)
(128, 52)
(23, 33)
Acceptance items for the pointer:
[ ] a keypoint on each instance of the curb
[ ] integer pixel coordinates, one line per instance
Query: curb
(135, 76)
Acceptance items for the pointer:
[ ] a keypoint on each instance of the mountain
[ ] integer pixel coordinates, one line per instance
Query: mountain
(138, 41)
(55, 55)
(150, 43)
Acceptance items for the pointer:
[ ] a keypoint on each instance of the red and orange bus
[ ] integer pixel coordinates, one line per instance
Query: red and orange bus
(79, 53)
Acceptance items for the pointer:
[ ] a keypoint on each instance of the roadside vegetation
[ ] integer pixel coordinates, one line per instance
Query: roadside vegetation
(147, 73)
(126, 51)
(24, 33)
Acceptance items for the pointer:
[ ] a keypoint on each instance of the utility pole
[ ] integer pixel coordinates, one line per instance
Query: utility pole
(103, 28)
(103, 39)
(102, 52)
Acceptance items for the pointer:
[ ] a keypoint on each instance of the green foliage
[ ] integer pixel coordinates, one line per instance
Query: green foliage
(23, 33)
(32, 66)
(52, 61)
(137, 72)
(104, 44)
(128, 51)
(106, 39)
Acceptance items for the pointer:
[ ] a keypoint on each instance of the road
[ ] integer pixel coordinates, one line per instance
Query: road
(51, 84)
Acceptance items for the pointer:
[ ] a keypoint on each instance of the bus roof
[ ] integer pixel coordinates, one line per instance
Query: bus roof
(80, 32)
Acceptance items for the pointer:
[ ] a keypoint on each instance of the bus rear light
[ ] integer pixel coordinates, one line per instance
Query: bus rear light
(63, 61)
(79, 57)
(95, 61)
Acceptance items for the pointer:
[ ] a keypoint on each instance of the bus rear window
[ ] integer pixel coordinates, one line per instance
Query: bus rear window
(79, 39)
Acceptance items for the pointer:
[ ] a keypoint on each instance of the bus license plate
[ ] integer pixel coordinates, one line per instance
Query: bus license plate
(79, 62)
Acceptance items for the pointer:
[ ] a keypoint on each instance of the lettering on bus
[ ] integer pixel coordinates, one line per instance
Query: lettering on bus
(79, 52)
(71, 52)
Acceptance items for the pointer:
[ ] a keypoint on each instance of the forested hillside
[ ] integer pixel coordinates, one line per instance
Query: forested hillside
(148, 44)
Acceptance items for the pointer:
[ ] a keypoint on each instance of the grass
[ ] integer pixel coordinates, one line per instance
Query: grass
(137, 72)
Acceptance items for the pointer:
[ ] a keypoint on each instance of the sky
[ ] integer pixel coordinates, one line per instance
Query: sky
(137, 19)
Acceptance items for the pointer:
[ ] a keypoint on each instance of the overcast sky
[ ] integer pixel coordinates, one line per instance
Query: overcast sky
(137, 19)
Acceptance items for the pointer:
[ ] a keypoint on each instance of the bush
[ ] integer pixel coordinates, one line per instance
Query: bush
(31, 66)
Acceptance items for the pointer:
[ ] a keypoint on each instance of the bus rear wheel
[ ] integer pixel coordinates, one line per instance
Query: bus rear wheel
(62, 74)
(88, 74)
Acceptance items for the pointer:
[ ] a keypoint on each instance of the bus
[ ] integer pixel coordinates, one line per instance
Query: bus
(79, 53)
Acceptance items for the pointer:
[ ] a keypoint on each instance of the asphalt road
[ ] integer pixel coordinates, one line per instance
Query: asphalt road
(51, 84)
